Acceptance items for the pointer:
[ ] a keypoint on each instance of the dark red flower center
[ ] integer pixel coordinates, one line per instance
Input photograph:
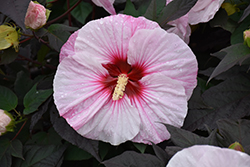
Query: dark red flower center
(134, 73)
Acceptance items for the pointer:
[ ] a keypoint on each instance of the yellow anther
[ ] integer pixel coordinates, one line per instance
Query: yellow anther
(120, 87)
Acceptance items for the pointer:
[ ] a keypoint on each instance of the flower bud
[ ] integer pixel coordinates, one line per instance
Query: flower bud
(9, 36)
(236, 146)
(36, 15)
(230, 8)
(6, 122)
(246, 36)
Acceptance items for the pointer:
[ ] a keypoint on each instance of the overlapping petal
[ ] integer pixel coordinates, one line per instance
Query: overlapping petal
(209, 156)
(68, 49)
(181, 28)
(163, 102)
(159, 51)
(106, 4)
(203, 11)
(108, 38)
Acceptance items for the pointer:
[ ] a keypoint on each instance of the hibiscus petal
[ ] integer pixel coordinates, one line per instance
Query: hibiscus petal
(68, 48)
(107, 38)
(74, 82)
(86, 106)
(159, 51)
(181, 28)
(106, 4)
(163, 101)
(115, 122)
(203, 11)
(207, 156)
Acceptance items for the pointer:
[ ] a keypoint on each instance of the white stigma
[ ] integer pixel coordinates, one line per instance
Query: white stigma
(120, 87)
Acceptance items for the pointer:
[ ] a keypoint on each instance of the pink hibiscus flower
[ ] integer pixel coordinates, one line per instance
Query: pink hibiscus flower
(121, 77)
(106, 4)
(209, 156)
(201, 12)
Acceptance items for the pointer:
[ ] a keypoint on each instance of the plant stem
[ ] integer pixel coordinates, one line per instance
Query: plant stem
(19, 131)
(17, 112)
(68, 11)
(26, 39)
(37, 62)
(69, 16)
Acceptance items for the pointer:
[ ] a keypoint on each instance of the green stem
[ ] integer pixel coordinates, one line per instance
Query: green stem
(58, 18)
(17, 112)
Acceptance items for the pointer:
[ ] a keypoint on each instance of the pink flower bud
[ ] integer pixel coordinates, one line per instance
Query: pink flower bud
(36, 16)
(236, 146)
(246, 36)
(5, 120)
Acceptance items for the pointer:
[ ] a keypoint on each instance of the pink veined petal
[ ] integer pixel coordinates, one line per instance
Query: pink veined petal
(75, 82)
(108, 38)
(159, 51)
(209, 156)
(163, 102)
(203, 11)
(181, 28)
(68, 48)
(115, 122)
(106, 4)
(81, 100)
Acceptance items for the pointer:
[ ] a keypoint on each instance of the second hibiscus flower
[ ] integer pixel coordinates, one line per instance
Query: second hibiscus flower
(121, 77)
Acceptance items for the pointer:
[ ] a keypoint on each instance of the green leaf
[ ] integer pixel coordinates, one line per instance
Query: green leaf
(73, 153)
(58, 34)
(17, 149)
(160, 153)
(16, 10)
(22, 84)
(8, 99)
(140, 146)
(237, 35)
(184, 138)
(5, 153)
(7, 56)
(8, 148)
(222, 20)
(45, 138)
(234, 54)
(131, 158)
(130, 9)
(104, 148)
(34, 98)
(171, 150)
(38, 115)
(232, 131)
(229, 99)
(42, 156)
(174, 10)
(154, 9)
(68, 133)
(43, 51)
(245, 13)
(81, 12)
